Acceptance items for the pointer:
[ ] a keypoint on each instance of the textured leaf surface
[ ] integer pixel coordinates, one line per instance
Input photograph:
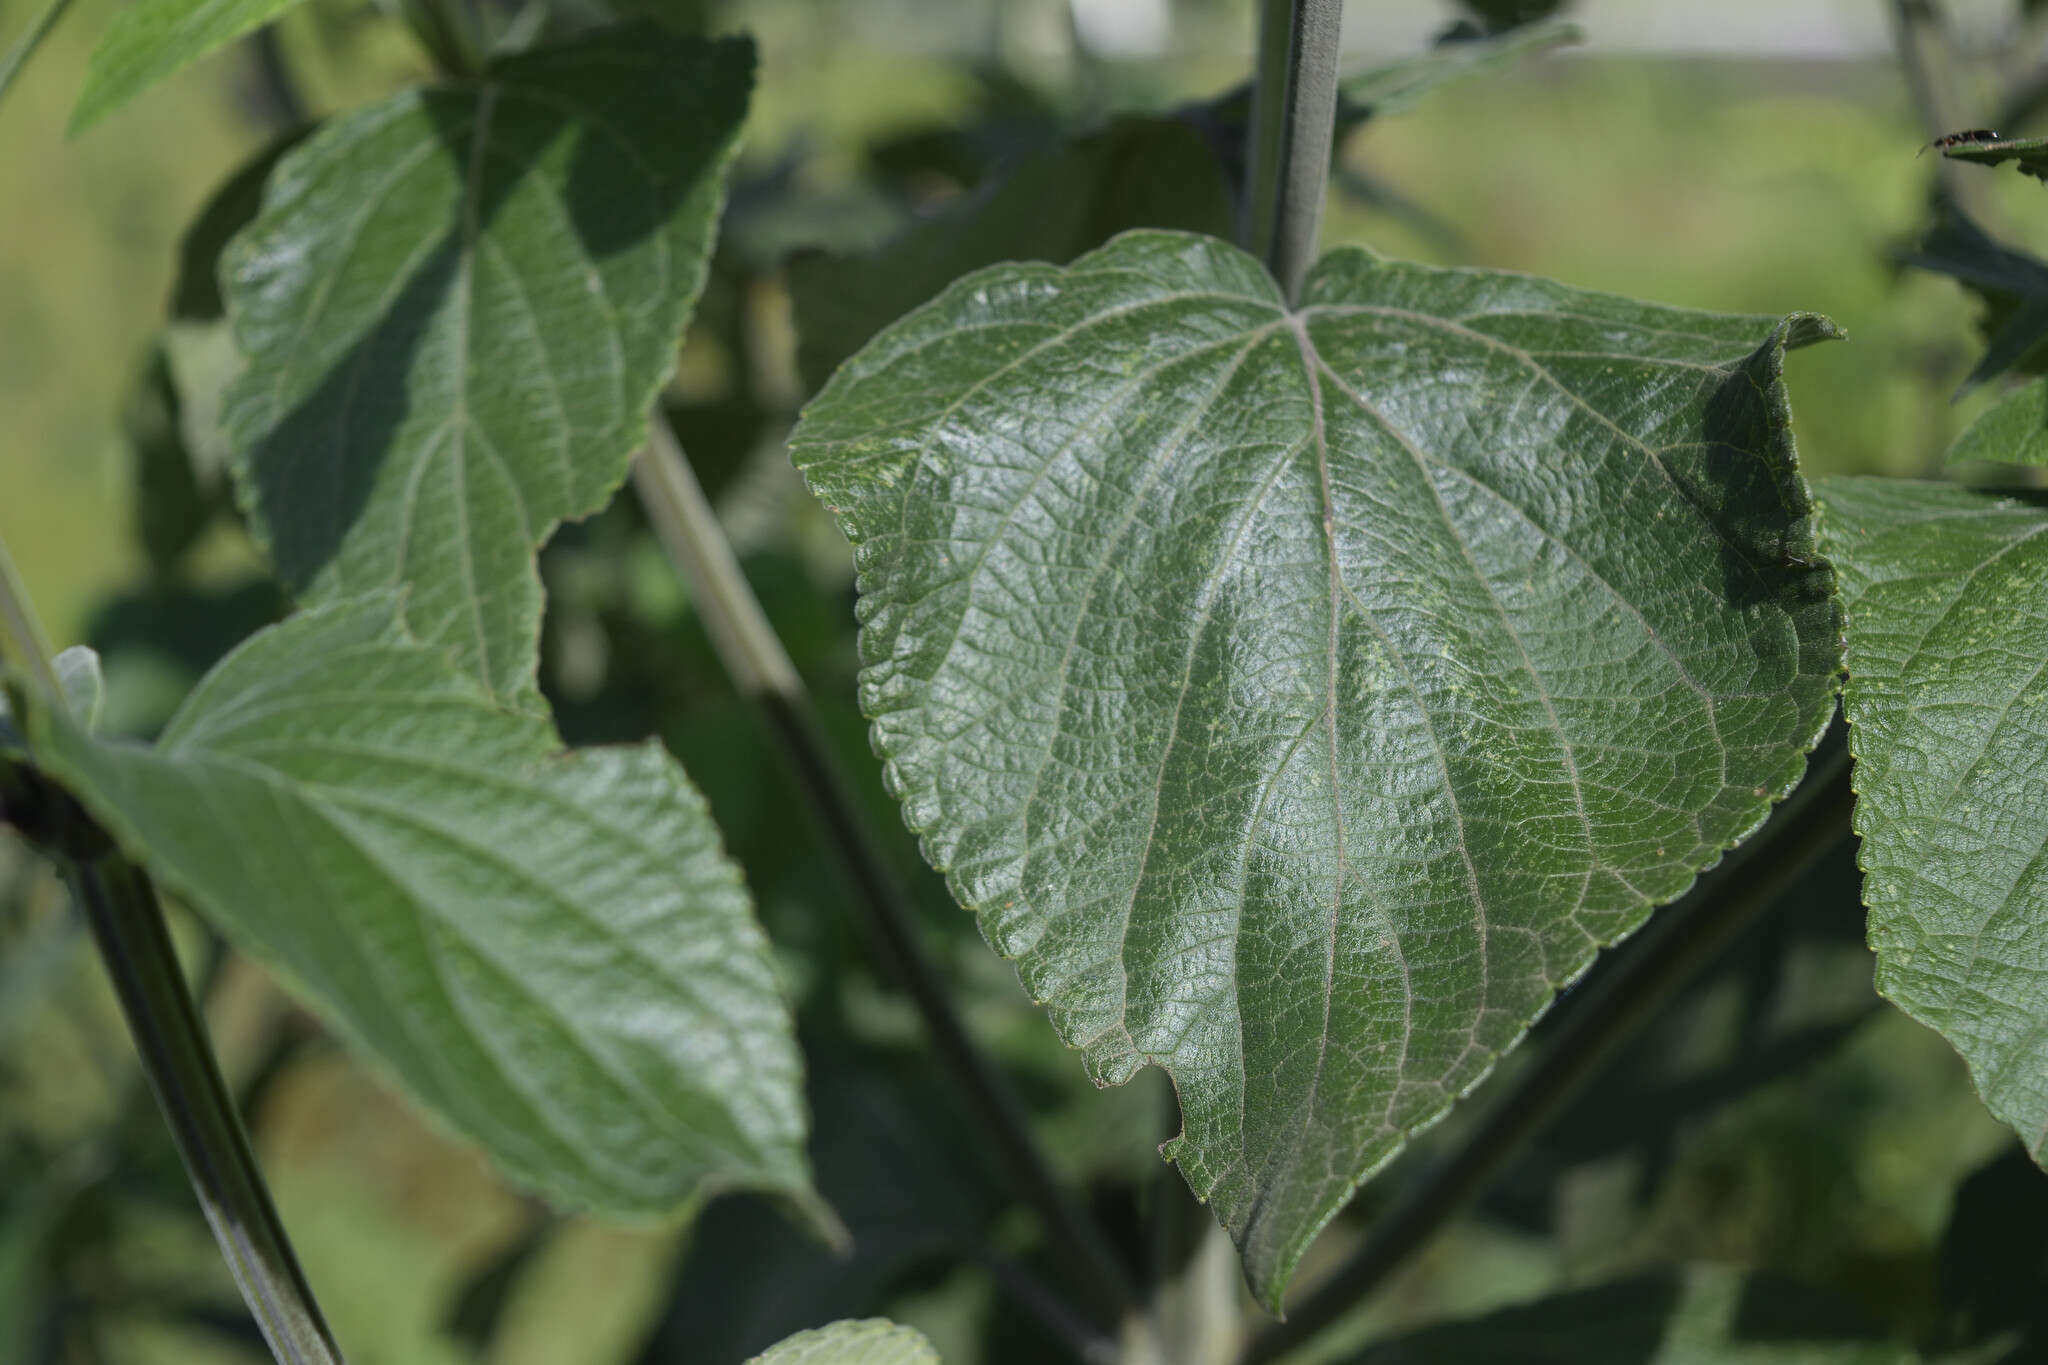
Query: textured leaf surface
(1705, 1315)
(458, 305)
(1947, 593)
(550, 951)
(1302, 698)
(869, 1341)
(150, 39)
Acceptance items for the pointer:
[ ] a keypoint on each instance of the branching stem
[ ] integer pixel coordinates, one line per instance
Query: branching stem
(761, 669)
(1593, 1026)
(1294, 112)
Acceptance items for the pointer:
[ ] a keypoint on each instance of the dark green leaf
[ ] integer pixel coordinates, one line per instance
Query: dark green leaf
(2012, 283)
(1994, 1258)
(550, 951)
(1704, 1314)
(195, 296)
(871, 1341)
(458, 306)
(150, 39)
(1303, 697)
(1947, 593)
(2014, 430)
(1138, 172)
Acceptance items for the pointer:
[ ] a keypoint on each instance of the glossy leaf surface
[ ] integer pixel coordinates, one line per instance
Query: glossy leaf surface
(458, 306)
(550, 951)
(1301, 698)
(1947, 592)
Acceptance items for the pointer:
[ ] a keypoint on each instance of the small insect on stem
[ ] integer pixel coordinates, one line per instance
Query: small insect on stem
(1948, 140)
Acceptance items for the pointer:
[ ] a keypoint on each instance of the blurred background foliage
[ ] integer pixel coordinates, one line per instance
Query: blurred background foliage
(1780, 1121)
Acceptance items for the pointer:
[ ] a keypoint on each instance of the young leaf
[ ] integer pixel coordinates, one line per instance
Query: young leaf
(1303, 697)
(457, 307)
(869, 1341)
(550, 951)
(1947, 593)
(150, 39)
(2014, 430)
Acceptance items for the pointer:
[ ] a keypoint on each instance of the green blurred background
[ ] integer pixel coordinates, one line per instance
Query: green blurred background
(1769, 166)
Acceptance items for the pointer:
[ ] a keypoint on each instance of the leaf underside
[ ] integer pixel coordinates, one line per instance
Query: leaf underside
(1947, 594)
(458, 305)
(865, 1341)
(550, 951)
(1302, 697)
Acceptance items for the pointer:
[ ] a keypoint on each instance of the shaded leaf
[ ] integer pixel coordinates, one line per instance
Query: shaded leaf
(1690, 1317)
(1994, 1257)
(1303, 697)
(1947, 594)
(458, 306)
(149, 39)
(550, 951)
(873, 1341)
(2014, 430)
(2012, 283)
(1138, 172)
(195, 294)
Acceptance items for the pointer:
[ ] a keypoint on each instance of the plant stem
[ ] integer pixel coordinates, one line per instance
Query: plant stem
(18, 56)
(1593, 1026)
(127, 924)
(1294, 111)
(1909, 18)
(761, 669)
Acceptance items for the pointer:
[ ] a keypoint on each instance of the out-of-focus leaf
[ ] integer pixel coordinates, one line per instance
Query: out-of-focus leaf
(1503, 16)
(1138, 172)
(2012, 283)
(2014, 430)
(550, 951)
(458, 306)
(1702, 1315)
(1273, 684)
(1947, 596)
(85, 691)
(171, 511)
(150, 39)
(1994, 1259)
(873, 1341)
(1399, 86)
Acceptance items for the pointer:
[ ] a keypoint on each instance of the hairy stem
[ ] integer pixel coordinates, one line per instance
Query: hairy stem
(1294, 111)
(1593, 1025)
(761, 669)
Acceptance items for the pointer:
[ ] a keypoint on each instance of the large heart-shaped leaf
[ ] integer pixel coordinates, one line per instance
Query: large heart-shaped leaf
(551, 951)
(1302, 696)
(457, 307)
(1947, 592)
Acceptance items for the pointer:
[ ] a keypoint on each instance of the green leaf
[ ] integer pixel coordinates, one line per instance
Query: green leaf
(1138, 172)
(1947, 593)
(1399, 86)
(869, 1341)
(549, 951)
(78, 673)
(458, 306)
(2030, 154)
(1690, 1317)
(2014, 430)
(150, 39)
(1302, 698)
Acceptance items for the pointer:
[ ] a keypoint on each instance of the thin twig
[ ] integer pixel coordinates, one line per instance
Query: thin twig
(1294, 112)
(761, 669)
(1592, 1027)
